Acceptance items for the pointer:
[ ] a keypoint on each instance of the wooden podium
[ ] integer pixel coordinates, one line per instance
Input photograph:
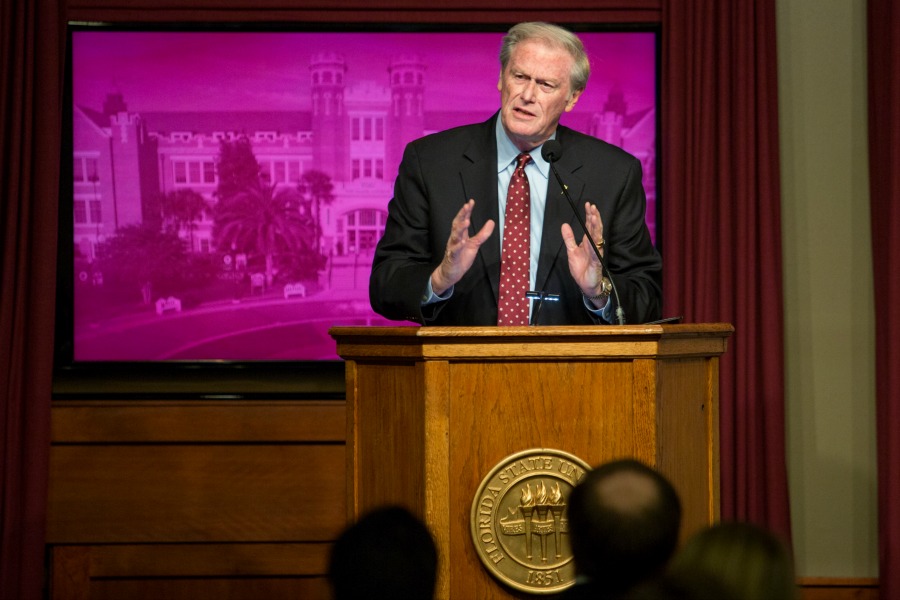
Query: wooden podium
(431, 410)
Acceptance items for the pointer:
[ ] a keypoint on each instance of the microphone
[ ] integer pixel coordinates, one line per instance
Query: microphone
(552, 151)
(540, 297)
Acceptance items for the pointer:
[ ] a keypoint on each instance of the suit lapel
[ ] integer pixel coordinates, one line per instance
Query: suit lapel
(479, 178)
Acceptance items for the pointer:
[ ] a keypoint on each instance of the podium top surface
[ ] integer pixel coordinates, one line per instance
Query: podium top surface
(532, 342)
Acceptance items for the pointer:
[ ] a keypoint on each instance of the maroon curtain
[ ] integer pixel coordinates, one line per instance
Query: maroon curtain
(29, 154)
(884, 188)
(722, 229)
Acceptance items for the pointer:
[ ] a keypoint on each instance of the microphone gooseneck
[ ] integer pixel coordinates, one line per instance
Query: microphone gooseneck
(551, 151)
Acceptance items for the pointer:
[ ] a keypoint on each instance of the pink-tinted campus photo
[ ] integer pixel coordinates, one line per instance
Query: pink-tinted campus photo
(230, 187)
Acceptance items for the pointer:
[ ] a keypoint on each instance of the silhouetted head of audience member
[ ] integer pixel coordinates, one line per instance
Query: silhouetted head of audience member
(387, 553)
(750, 561)
(624, 519)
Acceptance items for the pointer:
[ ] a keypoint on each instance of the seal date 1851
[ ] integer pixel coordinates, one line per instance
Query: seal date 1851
(519, 520)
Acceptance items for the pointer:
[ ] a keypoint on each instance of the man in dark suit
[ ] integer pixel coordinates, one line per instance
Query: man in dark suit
(438, 262)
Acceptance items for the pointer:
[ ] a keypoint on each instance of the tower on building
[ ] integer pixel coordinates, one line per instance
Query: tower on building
(406, 119)
(327, 73)
(608, 124)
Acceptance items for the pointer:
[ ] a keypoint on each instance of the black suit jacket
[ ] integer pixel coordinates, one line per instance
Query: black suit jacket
(440, 172)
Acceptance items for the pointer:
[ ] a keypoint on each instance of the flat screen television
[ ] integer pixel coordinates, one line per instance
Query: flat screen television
(168, 286)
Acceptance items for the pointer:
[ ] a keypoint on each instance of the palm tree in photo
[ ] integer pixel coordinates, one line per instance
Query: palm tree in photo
(316, 189)
(265, 221)
(182, 209)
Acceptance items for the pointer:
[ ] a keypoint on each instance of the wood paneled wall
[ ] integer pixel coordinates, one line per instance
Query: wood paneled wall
(195, 499)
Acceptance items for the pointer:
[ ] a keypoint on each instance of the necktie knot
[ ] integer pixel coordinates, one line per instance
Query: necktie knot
(522, 160)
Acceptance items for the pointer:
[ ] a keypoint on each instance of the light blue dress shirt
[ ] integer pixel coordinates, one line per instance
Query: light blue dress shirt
(537, 170)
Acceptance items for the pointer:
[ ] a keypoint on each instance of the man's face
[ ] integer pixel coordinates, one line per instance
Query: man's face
(534, 92)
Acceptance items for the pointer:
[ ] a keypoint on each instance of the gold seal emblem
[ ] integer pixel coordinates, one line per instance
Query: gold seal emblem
(519, 520)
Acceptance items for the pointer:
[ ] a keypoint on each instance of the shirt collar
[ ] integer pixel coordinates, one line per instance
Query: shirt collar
(507, 152)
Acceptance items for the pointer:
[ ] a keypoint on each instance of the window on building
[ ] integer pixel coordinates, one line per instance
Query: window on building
(87, 211)
(96, 211)
(294, 171)
(84, 170)
(363, 229)
(367, 129)
(193, 171)
(80, 211)
(368, 217)
(280, 172)
(209, 171)
(367, 168)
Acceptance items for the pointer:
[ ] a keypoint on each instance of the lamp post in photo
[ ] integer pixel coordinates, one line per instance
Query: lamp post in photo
(231, 262)
(94, 212)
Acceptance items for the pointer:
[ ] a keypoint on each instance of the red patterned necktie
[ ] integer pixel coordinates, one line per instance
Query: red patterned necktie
(516, 252)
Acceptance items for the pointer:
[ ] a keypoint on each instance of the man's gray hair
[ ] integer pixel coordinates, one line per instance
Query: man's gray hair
(552, 35)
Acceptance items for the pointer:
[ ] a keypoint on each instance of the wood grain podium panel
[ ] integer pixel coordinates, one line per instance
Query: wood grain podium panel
(688, 425)
(432, 410)
(388, 420)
